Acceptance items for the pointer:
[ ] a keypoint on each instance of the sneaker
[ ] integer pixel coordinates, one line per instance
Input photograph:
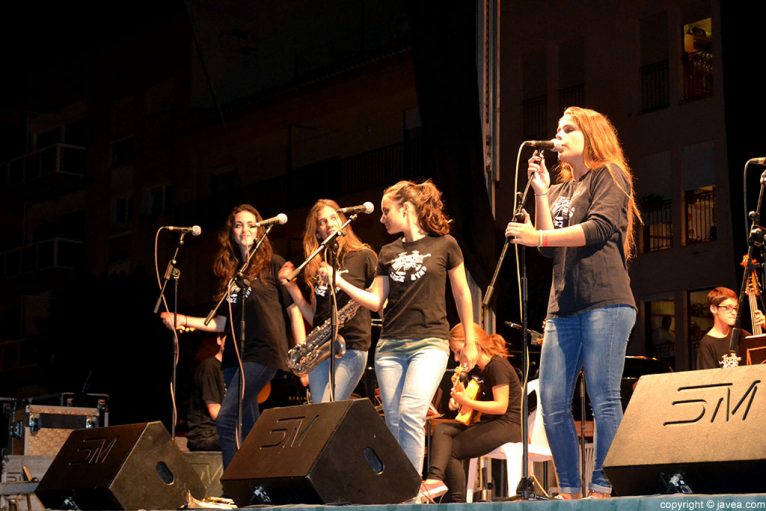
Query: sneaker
(431, 489)
(598, 495)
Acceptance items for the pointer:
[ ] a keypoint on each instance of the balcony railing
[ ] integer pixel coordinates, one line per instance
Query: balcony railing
(655, 86)
(54, 253)
(700, 216)
(658, 224)
(698, 75)
(56, 159)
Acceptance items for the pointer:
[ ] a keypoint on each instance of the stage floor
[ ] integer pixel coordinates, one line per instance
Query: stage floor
(676, 502)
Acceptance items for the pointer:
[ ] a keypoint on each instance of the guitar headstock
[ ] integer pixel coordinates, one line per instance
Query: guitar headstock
(752, 287)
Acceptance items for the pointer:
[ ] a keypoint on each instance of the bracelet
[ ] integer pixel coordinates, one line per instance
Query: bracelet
(540, 238)
(541, 194)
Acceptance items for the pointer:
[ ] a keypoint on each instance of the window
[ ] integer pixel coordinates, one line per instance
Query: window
(122, 210)
(655, 77)
(159, 199)
(658, 223)
(700, 215)
(697, 60)
(661, 341)
(655, 190)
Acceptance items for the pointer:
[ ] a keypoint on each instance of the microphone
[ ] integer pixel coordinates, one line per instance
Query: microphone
(365, 208)
(279, 219)
(536, 336)
(553, 144)
(194, 230)
(758, 161)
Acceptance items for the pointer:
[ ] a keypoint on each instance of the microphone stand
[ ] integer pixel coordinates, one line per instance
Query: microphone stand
(525, 490)
(331, 256)
(243, 284)
(491, 287)
(172, 271)
(755, 239)
(526, 487)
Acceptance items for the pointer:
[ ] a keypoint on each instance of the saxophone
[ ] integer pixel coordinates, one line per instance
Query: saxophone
(302, 358)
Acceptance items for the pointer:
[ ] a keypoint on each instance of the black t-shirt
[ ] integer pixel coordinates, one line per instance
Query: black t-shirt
(266, 320)
(499, 371)
(358, 268)
(595, 275)
(712, 349)
(417, 279)
(208, 386)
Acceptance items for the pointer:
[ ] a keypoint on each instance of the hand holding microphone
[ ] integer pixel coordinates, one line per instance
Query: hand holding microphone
(539, 177)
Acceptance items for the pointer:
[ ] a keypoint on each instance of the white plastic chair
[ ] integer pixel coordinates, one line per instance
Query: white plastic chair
(512, 452)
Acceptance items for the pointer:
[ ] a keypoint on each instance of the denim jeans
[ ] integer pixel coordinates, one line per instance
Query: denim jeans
(348, 372)
(595, 341)
(408, 382)
(256, 377)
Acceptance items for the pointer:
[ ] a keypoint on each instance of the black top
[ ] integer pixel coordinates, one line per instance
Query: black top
(712, 349)
(208, 386)
(499, 371)
(358, 268)
(595, 275)
(417, 278)
(266, 320)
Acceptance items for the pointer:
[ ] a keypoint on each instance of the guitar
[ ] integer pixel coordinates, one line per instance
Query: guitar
(752, 289)
(466, 415)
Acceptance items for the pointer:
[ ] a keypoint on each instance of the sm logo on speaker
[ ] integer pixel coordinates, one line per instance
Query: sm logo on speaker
(92, 451)
(713, 402)
(289, 432)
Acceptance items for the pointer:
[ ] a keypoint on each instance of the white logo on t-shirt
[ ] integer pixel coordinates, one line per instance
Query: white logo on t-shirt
(562, 212)
(408, 263)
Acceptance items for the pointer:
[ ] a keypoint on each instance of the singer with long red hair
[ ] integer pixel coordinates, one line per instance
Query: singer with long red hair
(585, 223)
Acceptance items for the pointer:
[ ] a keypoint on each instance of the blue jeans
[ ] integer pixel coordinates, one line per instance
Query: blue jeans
(595, 341)
(348, 372)
(408, 382)
(256, 377)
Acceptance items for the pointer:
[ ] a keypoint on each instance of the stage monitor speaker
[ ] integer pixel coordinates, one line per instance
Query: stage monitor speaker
(692, 432)
(326, 453)
(135, 466)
